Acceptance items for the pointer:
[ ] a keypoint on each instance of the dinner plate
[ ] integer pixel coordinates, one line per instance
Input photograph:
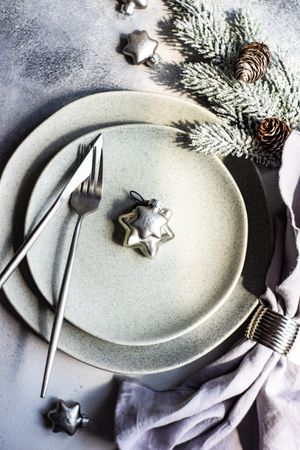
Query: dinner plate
(117, 294)
(21, 173)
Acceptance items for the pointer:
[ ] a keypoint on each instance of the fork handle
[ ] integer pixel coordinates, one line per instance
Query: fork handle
(61, 306)
(28, 242)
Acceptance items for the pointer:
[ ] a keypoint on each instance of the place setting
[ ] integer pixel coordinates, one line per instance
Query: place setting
(135, 320)
(137, 238)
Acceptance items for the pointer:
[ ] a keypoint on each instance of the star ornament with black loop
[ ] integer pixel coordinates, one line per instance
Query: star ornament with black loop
(146, 226)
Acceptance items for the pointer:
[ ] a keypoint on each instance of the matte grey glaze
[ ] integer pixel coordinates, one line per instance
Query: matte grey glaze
(121, 297)
(79, 344)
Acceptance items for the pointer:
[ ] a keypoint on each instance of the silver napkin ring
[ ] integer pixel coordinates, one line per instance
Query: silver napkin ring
(272, 330)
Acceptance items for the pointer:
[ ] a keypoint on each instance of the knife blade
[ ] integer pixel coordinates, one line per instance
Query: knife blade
(82, 172)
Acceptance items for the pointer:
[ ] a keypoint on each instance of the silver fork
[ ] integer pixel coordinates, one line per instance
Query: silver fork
(84, 200)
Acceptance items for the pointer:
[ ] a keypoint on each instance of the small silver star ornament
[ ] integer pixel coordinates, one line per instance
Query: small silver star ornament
(128, 6)
(67, 417)
(146, 226)
(141, 48)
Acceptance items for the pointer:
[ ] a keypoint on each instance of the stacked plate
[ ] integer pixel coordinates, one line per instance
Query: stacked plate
(126, 313)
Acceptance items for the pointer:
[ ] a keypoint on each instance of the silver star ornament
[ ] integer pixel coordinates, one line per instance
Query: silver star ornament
(147, 227)
(67, 417)
(129, 6)
(141, 48)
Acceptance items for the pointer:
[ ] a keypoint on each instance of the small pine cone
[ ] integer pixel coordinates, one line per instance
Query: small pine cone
(252, 62)
(272, 134)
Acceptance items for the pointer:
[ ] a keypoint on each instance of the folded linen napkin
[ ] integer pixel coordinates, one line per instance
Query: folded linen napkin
(203, 411)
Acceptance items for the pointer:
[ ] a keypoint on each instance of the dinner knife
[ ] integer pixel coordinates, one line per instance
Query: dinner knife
(82, 172)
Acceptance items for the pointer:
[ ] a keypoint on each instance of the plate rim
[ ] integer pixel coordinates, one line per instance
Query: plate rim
(81, 354)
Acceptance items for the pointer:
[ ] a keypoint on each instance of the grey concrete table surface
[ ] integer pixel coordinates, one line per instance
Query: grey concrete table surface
(52, 53)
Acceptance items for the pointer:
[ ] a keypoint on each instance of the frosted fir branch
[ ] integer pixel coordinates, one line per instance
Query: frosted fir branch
(261, 157)
(282, 81)
(264, 98)
(221, 140)
(182, 8)
(258, 101)
(284, 78)
(204, 80)
(202, 28)
(217, 41)
(227, 96)
(224, 140)
(244, 27)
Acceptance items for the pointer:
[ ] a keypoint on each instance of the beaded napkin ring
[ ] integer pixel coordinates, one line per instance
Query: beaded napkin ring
(273, 330)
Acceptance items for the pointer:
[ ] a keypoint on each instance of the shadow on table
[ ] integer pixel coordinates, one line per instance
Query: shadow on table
(260, 231)
(22, 338)
(11, 140)
(102, 415)
(248, 430)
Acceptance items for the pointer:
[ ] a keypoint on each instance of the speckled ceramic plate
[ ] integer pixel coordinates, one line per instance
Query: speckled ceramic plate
(27, 162)
(117, 294)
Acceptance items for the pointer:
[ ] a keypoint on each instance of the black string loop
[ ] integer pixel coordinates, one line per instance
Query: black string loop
(138, 198)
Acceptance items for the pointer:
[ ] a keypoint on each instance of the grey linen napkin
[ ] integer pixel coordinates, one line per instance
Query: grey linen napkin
(203, 412)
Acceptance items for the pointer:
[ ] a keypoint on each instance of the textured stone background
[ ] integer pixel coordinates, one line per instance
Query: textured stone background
(53, 52)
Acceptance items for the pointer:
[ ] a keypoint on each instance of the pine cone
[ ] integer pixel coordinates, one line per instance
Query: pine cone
(252, 62)
(272, 134)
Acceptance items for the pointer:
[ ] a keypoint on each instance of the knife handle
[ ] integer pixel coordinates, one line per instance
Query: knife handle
(28, 242)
